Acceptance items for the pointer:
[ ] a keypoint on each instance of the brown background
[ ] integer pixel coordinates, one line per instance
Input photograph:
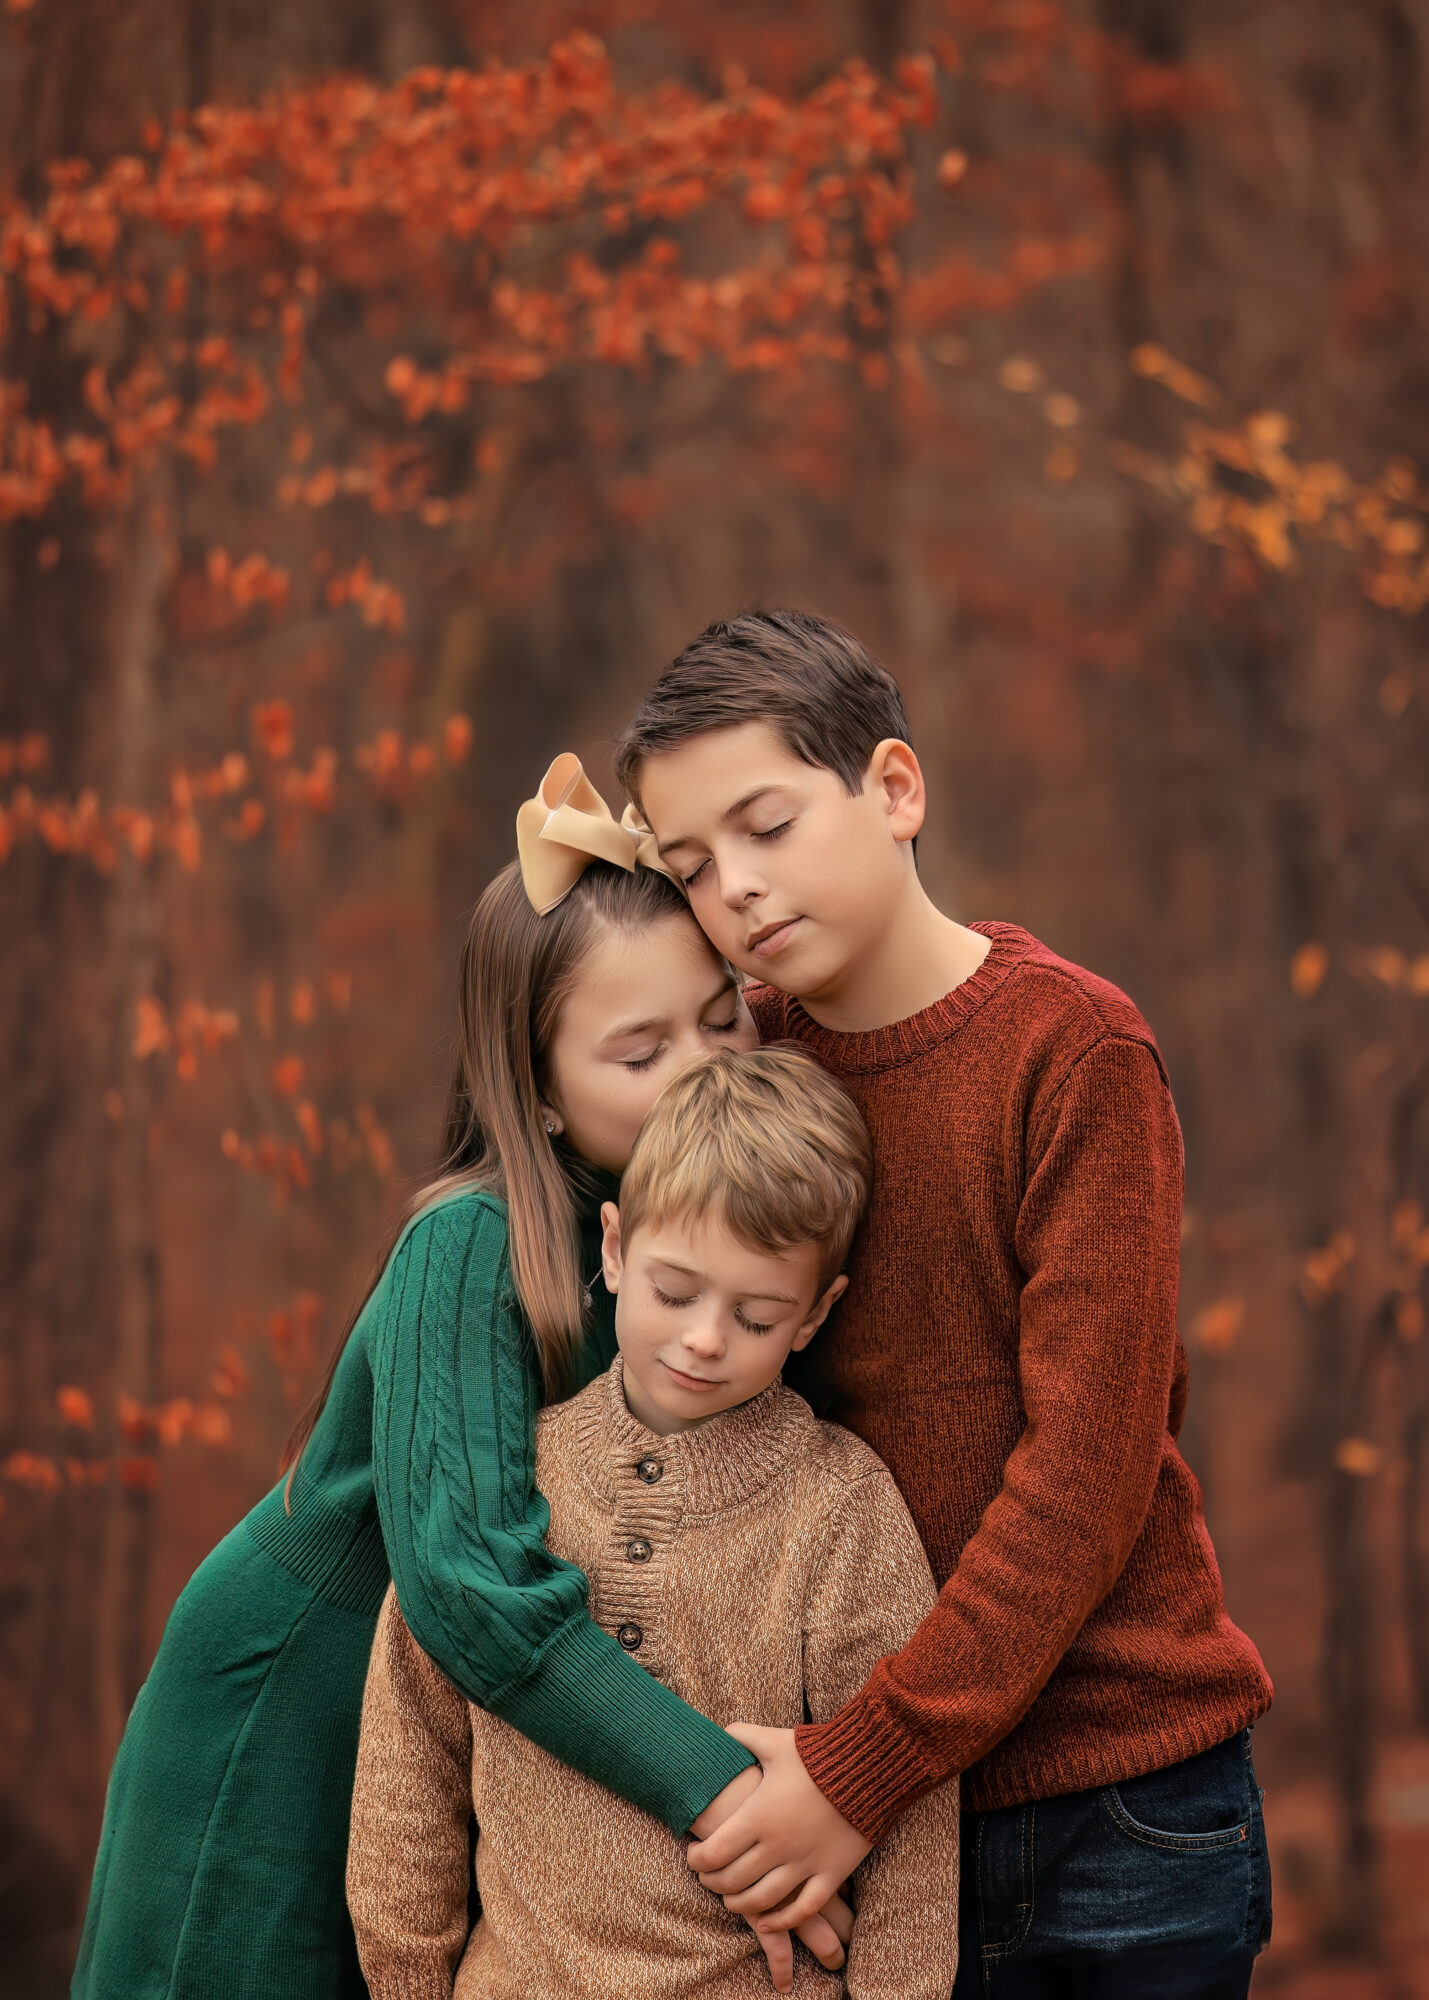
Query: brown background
(1181, 753)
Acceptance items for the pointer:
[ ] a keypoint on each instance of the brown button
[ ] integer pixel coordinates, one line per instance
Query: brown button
(649, 1469)
(638, 1551)
(630, 1637)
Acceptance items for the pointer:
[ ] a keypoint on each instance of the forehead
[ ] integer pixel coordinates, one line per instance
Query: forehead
(656, 969)
(686, 789)
(707, 1245)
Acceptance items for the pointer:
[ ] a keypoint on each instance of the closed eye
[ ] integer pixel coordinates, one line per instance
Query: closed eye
(773, 832)
(666, 1298)
(723, 1027)
(753, 1325)
(638, 1063)
(690, 880)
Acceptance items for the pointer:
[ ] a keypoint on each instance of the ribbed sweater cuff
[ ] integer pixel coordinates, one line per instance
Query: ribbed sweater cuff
(871, 1770)
(591, 1705)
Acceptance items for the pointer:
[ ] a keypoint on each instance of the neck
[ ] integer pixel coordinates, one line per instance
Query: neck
(918, 958)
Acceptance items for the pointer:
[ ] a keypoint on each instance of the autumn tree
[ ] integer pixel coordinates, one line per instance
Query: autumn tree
(366, 437)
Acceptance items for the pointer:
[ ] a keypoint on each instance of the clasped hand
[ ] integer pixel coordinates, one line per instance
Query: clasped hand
(778, 1853)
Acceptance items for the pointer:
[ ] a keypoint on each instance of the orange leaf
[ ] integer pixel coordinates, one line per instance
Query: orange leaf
(76, 1407)
(1216, 1326)
(151, 1032)
(230, 1378)
(287, 1076)
(135, 1422)
(311, 1123)
(212, 1425)
(33, 1469)
(1359, 1457)
(1307, 970)
(172, 1419)
(273, 728)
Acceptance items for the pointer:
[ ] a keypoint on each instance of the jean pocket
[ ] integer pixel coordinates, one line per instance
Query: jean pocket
(1167, 1838)
(1194, 1807)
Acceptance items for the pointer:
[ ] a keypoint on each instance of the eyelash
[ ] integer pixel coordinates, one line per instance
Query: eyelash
(749, 1325)
(711, 1028)
(770, 833)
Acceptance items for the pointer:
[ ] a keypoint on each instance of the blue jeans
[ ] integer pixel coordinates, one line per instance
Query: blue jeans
(1154, 1889)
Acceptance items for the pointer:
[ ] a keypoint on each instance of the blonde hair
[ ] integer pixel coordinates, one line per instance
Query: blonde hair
(767, 1141)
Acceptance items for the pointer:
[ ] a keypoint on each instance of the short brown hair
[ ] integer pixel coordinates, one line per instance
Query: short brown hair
(764, 1139)
(827, 696)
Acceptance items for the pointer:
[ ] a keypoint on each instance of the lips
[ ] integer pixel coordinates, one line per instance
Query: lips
(688, 1381)
(772, 938)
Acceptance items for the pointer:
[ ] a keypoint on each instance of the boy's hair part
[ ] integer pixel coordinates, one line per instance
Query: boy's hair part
(829, 699)
(763, 1139)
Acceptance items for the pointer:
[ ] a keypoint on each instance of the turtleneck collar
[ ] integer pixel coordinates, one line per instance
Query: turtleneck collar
(714, 1466)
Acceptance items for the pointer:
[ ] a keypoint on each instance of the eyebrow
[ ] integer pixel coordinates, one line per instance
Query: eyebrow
(624, 1031)
(730, 813)
(688, 1271)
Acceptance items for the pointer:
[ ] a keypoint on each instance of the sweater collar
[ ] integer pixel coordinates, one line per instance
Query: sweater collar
(717, 1465)
(885, 1048)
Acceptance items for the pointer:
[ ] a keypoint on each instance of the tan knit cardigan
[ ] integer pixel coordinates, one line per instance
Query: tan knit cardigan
(759, 1565)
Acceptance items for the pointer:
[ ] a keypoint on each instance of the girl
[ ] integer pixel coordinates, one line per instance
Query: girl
(584, 988)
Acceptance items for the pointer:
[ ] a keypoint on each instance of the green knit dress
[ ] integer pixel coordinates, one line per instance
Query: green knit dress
(221, 1865)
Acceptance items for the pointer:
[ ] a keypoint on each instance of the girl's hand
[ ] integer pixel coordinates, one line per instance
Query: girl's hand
(785, 1851)
(825, 1933)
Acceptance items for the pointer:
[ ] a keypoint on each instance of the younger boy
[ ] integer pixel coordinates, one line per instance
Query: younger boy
(1007, 1344)
(757, 1560)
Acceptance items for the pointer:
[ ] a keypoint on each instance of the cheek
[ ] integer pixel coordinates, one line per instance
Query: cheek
(712, 913)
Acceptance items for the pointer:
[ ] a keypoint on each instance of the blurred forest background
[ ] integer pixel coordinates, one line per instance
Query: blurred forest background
(386, 391)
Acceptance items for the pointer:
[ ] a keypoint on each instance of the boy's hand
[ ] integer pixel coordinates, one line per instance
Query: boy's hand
(785, 1850)
(825, 1933)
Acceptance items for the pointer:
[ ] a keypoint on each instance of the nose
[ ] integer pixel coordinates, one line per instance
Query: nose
(704, 1338)
(739, 884)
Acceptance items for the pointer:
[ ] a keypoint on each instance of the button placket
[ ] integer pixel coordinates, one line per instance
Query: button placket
(649, 1493)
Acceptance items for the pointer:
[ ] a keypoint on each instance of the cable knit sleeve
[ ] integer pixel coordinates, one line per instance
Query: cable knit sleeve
(455, 1401)
(871, 1589)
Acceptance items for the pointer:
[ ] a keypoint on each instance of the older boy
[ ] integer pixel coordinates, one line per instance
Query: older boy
(755, 1559)
(1007, 1344)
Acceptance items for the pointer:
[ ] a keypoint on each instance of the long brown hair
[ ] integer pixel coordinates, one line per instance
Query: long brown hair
(517, 970)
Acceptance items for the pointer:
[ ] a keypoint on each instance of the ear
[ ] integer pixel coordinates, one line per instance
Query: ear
(896, 776)
(553, 1120)
(611, 1261)
(819, 1313)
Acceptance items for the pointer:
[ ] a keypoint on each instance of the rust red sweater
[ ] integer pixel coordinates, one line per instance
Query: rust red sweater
(1008, 1347)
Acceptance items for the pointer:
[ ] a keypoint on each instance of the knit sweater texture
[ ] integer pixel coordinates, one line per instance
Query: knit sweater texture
(755, 1565)
(1008, 1347)
(220, 1872)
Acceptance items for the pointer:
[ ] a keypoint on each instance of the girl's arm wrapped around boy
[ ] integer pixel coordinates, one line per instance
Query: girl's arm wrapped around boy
(464, 1525)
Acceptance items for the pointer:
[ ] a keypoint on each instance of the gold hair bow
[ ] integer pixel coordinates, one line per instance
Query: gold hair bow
(567, 826)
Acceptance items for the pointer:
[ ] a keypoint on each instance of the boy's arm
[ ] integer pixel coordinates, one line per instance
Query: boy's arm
(872, 1589)
(407, 1855)
(1098, 1236)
